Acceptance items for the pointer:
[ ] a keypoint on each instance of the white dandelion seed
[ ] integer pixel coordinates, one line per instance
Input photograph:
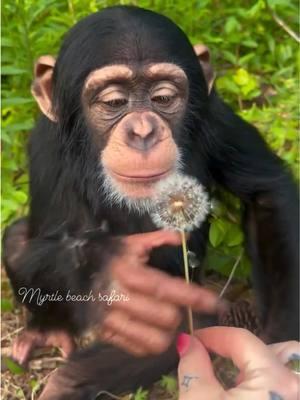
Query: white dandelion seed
(180, 203)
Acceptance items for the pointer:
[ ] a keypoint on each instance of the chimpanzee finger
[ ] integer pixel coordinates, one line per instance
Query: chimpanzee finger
(61, 339)
(154, 340)
(150, 310)
(145, 242)
(161, 286)
(123, 343)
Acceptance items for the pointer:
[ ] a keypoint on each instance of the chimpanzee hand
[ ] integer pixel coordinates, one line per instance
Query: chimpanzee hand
(146, 323)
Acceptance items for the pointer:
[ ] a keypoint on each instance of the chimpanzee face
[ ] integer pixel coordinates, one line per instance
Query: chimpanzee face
(127, 80)
(134, 112)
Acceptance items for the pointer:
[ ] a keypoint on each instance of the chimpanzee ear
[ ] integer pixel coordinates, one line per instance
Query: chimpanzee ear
(41, 88)
(203, 55)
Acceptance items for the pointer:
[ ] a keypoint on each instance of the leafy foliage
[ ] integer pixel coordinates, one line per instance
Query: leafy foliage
(169, 383)
(13, 366)
(140, 394)
(256, 65)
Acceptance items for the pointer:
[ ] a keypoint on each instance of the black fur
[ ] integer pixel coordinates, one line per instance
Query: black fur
(219, 148)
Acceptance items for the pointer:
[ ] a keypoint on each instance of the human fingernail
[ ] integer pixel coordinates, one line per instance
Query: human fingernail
(183, 343)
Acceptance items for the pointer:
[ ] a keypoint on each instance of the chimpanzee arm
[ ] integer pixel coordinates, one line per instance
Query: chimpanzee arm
(58, 249)
(59, 265)
(243, 164)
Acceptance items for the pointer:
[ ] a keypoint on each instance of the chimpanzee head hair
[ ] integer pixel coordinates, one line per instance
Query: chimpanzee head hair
(122, 35)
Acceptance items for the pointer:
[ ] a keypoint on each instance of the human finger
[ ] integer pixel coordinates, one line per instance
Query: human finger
(245, 349)
(196, 377)
(286, 351)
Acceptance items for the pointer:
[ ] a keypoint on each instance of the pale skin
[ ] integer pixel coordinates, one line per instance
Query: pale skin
(263, 375)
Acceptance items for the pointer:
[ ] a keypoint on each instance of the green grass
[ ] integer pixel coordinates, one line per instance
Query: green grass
(256, 63)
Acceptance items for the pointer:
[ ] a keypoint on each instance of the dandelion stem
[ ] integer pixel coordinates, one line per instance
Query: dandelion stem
(187, 278)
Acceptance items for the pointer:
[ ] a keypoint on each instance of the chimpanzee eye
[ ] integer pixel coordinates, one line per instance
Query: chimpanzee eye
(164, 100)
(115, 103)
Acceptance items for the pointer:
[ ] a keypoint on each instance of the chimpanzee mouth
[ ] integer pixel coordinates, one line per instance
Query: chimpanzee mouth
(134, 191)
(140, 177)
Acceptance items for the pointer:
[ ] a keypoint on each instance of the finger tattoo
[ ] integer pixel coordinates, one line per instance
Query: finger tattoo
(294, 357)
(275, 396)
(187, 380)
(294, 363)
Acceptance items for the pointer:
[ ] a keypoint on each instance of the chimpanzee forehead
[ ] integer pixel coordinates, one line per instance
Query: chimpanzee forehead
(127, 72)
(122, 36)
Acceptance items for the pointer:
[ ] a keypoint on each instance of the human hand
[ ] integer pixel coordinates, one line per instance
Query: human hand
(262, 373)
(146, 324)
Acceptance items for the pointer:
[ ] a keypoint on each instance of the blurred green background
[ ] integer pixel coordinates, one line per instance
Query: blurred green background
(255, 53)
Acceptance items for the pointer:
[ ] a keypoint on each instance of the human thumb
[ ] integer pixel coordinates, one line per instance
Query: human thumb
(196, 377)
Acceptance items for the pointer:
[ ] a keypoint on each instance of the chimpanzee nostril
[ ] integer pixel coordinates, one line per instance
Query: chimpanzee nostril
(142, 132)
(142, 143)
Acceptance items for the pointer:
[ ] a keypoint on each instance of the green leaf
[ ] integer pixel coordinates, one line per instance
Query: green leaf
(219, 262)
(241, 77)
(227, 55)
(22, 126)
(6, 305)
(216, 232)
(14, 101)
(8, 70)
(234, 236)
(9, 205)
(35, 386)
(169, 383)
(245, 267)
(14, 367)
(10, 164)
(232, 25)
(254, 10)
(218, 209)
(141, 394)
(20, 196)
(250, 43)
(226, 83)
(245, 59)
(6, 42)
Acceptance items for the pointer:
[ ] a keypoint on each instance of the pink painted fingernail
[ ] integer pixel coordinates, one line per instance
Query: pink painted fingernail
(183, 343)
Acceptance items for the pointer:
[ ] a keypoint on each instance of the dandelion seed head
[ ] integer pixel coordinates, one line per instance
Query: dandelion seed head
(180, 203)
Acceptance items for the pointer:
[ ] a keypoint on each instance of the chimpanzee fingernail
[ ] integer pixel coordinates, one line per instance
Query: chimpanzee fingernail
(183, 343)
(223, 307)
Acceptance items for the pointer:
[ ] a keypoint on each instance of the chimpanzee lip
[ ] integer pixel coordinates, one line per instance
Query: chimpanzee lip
(141, 178)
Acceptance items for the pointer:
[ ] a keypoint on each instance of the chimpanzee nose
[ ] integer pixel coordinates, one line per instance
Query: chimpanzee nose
(142, 133)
